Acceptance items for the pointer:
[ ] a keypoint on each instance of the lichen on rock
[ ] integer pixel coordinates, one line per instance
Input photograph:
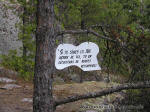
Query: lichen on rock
(8, 30)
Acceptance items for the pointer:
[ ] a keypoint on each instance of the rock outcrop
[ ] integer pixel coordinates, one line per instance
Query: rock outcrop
(8, 31)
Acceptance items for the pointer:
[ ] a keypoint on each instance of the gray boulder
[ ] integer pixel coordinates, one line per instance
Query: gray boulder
(6, 80)
(10, 86)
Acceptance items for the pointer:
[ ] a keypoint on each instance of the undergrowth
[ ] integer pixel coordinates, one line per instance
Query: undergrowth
(24, 66)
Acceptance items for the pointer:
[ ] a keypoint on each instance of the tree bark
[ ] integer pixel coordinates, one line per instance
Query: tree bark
(25, 21)
(44, 60)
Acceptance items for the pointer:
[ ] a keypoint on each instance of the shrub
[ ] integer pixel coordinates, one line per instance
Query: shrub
(24, 66)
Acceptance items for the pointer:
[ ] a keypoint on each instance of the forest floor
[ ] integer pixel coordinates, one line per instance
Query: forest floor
(19, 99)
(11, 100)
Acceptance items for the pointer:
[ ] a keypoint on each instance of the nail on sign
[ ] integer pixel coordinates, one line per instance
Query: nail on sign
(83, 56)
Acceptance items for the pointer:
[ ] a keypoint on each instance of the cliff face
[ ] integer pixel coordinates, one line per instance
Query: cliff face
(8, 30)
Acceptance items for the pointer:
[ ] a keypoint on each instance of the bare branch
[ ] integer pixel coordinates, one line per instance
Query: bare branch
(99, 25)
(139, 85)
(84, 32)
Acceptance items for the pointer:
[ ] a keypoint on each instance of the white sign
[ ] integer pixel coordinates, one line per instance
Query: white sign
(83, 56)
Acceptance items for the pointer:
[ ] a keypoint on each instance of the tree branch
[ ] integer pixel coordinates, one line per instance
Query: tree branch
(84, 32)
(139, 85)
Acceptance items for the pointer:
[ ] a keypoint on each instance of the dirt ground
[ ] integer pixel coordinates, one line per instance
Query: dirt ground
(11, 100)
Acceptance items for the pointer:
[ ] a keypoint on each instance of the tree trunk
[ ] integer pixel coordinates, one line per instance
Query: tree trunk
(81, 76)
(25, 21)
(44, 60)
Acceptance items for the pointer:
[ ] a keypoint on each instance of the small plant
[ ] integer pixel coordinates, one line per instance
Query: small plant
(24, 67)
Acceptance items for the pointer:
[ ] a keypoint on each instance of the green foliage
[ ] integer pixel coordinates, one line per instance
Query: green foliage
(25, 68)
(139, 97)
(71, 13)
(27, 37)
(121, 20)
